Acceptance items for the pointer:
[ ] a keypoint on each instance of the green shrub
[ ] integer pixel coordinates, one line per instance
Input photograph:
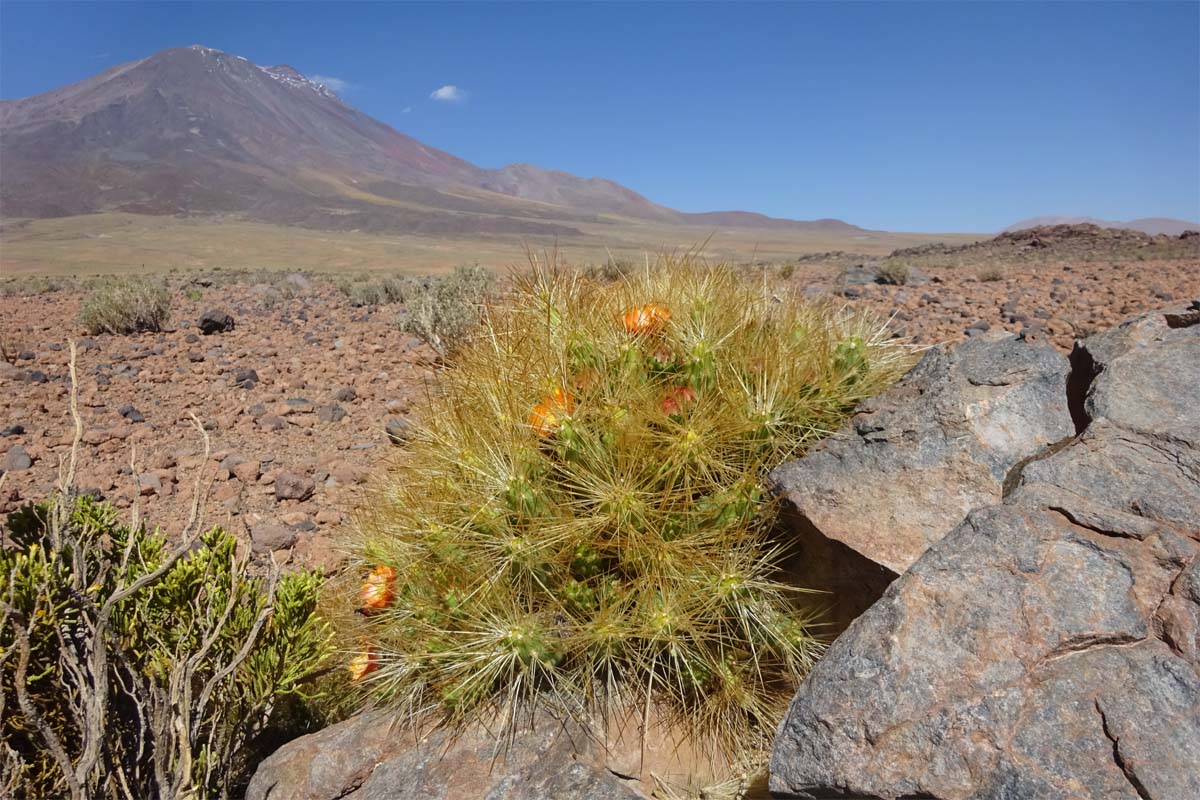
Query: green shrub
(442, 311)
(894, 272)
(580, 517)
(129, 668)
(127, 306)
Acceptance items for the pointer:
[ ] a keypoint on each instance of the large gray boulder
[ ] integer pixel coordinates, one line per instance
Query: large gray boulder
(915, 460)
(379, 756)
(1048, 646)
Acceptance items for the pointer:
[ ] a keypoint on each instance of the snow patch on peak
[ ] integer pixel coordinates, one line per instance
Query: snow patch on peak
(290, 76)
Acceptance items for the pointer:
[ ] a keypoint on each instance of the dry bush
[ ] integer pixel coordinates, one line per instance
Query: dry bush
(443, 311)
(127, 306)
(131, 667)
(366, 290)
(991, 274)
(580, 518)
(613, 269)
(894, 272)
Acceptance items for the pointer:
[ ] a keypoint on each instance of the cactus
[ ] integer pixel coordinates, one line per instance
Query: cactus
(586, 483)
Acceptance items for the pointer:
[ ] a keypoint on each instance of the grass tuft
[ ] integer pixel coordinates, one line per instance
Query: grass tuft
(894, 272)
(127, 306)
(580, 519)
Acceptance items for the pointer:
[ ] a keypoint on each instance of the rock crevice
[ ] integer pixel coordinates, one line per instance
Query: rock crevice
(1076, 593)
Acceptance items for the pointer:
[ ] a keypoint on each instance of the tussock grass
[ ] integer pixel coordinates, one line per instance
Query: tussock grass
(895, 272)
(127, 306)
(580, 519)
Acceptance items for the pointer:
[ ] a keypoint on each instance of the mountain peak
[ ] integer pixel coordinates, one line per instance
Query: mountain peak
(198, 130)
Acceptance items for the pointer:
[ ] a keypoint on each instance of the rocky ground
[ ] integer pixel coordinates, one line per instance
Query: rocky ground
(297, 397)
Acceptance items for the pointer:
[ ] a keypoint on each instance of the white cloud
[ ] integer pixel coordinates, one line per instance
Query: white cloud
(406, 110)
(330, 82)
(449, 94)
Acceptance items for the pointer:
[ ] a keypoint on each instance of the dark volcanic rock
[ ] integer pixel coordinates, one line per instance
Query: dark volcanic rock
(245, 378)
(1048, 646)
(213, 321)
(940, 443)
(130, 413)
(373, 756)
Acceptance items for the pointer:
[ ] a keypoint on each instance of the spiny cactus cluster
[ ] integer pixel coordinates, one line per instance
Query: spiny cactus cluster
(581, 518)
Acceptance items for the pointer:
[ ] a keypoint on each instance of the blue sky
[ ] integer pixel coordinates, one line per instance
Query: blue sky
(933, 117)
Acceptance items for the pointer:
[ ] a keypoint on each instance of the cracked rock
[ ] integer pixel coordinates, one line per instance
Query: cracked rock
(1047, 647)
(917, 458)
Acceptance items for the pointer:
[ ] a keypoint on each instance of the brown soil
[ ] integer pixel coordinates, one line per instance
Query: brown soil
(310, 350)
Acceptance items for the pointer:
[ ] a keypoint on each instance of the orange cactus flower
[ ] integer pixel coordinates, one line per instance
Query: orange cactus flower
(676, 399)
(650, 318)
(377, 591)
(546, 416)
(363, 664)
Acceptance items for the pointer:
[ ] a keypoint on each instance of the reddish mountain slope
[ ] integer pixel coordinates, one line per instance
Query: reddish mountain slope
(198, 131)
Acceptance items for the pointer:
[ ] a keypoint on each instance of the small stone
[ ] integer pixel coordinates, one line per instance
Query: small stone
(345, 394)
(245, 378)
(290, 486)
(13, 430)
(247, 471)
(397, 430)
(231, 461)
(17, 460)
(130, 413)
(268, 537)
(149, 483)
(333, 413)
(215, 321)
(328, 516)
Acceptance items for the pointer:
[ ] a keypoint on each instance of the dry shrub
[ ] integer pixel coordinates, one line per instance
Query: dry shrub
(136, 667)
(127, 306)
(895, 273)
(580, 519)
(443, 311)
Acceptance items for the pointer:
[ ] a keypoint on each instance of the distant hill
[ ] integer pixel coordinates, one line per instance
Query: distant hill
(1150, 225)
(1082, 242)
(195, 131)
